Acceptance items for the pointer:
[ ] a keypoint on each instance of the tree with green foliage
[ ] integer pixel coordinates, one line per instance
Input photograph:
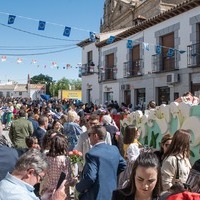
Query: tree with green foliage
(53, 87)
(42, 79)
(64, 84)
(77, 84)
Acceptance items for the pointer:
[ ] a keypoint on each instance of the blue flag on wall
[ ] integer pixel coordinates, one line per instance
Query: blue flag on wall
(129, 44)
(158, 49)
(41, 25)
(67, 31)
(170, 52)
(92, 37)
(110, 40)
(11, 19)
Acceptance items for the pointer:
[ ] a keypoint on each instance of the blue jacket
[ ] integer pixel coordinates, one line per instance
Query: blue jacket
(72, 131)
(39, 133)
(103, 164)
(34, 122)
(8, 159)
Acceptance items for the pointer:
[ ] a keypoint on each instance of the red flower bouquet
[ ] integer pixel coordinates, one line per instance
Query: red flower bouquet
(75, 157)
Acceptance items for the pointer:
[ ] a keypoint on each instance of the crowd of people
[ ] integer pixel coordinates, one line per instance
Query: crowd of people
(115, 165)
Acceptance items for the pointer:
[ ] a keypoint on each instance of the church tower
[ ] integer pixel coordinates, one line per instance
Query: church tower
(120, 14)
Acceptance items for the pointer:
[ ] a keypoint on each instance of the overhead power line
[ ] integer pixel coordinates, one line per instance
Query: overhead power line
(33, 54)
(31, 33)
(33, 49)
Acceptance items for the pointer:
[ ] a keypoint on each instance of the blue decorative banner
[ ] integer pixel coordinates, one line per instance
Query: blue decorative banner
(129, 44)
(158, 49)
(110, 40)
(67, 31)
(11, 19)
(92, 37)
(170, 52)
(41, 25)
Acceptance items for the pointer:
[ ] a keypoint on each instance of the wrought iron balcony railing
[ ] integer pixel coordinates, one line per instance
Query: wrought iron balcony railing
(86, 69)
(108, 74)
(164, 63)
(133, 68)
(193, 55)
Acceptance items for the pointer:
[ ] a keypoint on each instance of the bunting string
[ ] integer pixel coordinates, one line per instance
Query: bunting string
(25, 48)
(36, 34)
(67, 33)
(37, 20)
(43, 53)
(157, 48)
(34, 62)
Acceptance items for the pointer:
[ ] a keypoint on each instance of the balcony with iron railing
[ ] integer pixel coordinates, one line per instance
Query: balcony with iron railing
(108, 74)
(164, 63)
(86, 69)
(193, 55)
(133, 68)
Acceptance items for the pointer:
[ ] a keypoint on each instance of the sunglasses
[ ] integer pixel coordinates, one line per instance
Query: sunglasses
(41, 177)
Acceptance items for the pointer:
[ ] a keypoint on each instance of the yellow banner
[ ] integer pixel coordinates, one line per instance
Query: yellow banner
(72, 94)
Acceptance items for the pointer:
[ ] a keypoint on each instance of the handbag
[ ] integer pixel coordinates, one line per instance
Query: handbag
(178, 185)
(177, 169)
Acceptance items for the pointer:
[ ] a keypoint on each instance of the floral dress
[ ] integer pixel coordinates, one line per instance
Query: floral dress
(57, 165)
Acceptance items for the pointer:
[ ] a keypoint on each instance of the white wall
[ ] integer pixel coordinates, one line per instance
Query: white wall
(148, 36)
(90, 80)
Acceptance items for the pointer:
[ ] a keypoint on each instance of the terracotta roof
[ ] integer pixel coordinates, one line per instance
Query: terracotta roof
(20, 88)
(37, 86)
(84, 43)
(177, 10)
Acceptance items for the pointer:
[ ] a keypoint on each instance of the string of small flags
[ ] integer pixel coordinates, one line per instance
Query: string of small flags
(157, 48)
(53, 64)
(42, 26)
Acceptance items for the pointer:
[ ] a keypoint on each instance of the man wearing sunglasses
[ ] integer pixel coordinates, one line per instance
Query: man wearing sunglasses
(103, 164)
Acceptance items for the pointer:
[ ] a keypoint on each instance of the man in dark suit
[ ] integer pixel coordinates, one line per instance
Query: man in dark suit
(41, 130)
(103, 164)
(32, 120)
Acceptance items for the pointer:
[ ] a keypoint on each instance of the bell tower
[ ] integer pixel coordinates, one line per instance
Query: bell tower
(109, 7)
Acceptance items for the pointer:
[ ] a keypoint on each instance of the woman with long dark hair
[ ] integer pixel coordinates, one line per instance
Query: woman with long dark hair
(176, 165)
(130, 140)
(58, 162)
(164, 145)
(145, 180)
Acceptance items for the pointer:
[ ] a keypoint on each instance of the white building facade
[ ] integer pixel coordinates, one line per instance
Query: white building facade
(15, 90)
(139, 74)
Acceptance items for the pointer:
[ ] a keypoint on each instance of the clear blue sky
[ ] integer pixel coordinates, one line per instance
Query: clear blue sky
(81, 15)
